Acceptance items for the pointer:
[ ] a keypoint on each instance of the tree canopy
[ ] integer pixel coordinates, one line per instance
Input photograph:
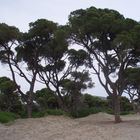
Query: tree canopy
(108, 39)
(109, 47)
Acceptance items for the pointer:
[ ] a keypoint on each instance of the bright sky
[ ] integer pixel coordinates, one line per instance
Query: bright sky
(21, 12)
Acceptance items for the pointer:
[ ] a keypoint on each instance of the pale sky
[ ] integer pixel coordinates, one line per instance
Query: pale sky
(21, 12)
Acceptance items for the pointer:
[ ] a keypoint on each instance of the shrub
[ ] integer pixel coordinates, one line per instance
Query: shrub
(93, 101)
(9, 98)
(38, 114)
(80, 113)
(86, 111)
(45, 98)
(54, 112)
(6, 117)
(125, 104)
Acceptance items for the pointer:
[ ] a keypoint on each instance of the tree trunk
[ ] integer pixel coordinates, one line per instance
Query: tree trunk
(132, 102)
(134, 106)
(30, 96)
(116, 101)
(76, 101)
(62, 104)
(29, 104)
(29, 110)
(139, 103)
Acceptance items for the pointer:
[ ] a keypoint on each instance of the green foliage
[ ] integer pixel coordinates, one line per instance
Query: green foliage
(78, 82)
(107, 36)
(38, 114)
(86, 111)
(132, 77)
(93, 101)
(56, 112)
(46, 99)
(125, 113)
(125, 104)
(6, 117)
(9, 98)
(78, 58)
(80, 113)
(8, 33)
(109, 39)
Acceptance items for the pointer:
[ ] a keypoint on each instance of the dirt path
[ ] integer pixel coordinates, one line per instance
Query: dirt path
(94, 127)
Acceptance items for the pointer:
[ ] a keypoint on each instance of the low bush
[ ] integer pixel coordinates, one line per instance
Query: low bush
(6, 117)
(81, 113)
(54, 112)
(86, 111)
(47, 112)
(38, 114)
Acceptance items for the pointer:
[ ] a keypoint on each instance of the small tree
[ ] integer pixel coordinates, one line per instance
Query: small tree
(46, 99)
(73, 88)
(57, 68)
(31, 50)
(133, 85)
(9, 98)
(21, 57)
(95, 101)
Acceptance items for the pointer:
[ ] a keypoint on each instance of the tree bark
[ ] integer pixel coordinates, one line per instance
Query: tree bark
(29, 105)
(116, 101)
(139, 103)
(76, 101)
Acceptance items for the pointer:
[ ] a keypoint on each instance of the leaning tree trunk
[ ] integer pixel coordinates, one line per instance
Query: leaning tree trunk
(116, 102)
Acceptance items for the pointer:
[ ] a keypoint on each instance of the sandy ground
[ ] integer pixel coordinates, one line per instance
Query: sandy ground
(94, 127)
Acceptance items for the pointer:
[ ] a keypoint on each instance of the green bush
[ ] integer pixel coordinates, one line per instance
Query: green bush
(38, 114)
(94, 101)
(86, 111)
(47, 112)
(95, 110)
(125, 104)
(81, 113)
(125, 113)
(54, 112)
(6, 117)
(45, 99)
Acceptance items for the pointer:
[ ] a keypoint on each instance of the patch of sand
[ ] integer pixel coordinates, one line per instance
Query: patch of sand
(94, 127)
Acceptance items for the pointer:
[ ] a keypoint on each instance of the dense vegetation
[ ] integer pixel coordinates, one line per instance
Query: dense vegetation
(109, 48)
